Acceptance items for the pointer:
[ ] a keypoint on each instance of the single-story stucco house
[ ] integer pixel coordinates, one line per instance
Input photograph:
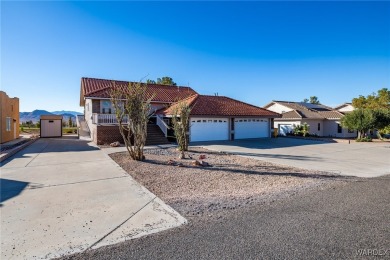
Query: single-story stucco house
(212, 117)
(222, 118)
(323, 120)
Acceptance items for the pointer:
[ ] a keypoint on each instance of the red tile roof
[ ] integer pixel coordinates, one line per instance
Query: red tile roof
(100, 88)
(202, 105)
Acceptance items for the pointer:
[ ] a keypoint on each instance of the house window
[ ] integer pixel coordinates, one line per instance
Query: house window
(319, 127)
(339, 129)
(8, 124)
(106, 107)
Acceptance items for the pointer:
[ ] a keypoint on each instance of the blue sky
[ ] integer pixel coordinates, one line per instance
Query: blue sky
(252, 51)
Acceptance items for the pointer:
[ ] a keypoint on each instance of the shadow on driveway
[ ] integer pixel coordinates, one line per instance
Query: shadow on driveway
(10, 189)
(262, 143)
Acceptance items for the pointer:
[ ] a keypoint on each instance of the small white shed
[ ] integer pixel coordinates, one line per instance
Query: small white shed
(51, 126)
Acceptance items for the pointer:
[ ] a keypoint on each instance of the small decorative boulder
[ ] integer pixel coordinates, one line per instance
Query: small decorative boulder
(204, 164)
(171, 162)
(202, 157)
(115, 144)
(196, 163)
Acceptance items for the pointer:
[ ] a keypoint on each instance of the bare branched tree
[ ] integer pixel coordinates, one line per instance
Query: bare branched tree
(132, 110)
(181, 126)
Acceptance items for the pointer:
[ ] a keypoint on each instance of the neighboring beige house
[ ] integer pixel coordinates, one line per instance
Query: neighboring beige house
(323, 120)
(345, 108)
(9, 114)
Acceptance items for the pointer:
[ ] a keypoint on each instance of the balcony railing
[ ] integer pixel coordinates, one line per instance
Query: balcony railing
(107, 119)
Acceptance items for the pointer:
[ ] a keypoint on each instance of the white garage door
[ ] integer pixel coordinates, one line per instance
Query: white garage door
(284, 129)
(251, 128)
(209, 129)
(51, 128)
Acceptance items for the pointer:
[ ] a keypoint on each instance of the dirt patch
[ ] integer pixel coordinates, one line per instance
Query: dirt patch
(228, 182)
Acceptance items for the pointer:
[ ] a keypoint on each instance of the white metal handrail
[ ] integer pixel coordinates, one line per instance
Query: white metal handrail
(163, 126)
(107, 119)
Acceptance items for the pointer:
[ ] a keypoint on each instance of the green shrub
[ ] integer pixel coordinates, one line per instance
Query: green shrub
(364, 139)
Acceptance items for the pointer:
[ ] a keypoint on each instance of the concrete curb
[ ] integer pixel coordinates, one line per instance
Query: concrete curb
(11, 152)
(325, 139)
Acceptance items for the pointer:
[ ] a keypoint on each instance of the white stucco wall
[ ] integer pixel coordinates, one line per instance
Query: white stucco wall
(330, 129)
(279, 108)
(88, 118)
(346, 108)
(314, 127)
(88, 112)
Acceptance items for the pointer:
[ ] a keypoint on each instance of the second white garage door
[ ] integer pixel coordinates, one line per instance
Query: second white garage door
(251, 128)
(209, 129)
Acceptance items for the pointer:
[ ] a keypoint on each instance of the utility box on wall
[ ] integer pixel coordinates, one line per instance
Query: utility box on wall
(51, 126)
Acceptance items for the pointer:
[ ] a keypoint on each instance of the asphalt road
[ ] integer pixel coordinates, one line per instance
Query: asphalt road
(342, 222)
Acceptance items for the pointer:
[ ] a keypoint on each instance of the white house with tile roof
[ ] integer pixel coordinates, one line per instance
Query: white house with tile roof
(223, 118)
(323, 120)
(212, 117)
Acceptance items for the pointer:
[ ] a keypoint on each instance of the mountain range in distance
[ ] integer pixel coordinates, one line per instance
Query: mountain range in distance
(35, 115)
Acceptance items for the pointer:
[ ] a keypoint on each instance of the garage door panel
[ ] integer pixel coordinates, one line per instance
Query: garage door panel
(209, 129)
(251, 128)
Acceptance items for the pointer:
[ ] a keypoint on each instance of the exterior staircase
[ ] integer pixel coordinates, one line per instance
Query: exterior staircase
(155, 135)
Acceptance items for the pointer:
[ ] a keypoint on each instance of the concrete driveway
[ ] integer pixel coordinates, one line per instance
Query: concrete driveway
(355, 159)
(60, 196)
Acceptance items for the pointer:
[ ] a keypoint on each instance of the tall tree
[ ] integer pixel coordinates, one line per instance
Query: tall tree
(314, 100)
(379, 100)
(162, 81)
(132, 111)
(360, 120)
(166, 81)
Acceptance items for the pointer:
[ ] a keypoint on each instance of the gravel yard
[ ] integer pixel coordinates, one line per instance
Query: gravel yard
(229, 182)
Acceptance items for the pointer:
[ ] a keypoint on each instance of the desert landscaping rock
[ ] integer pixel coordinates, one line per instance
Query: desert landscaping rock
(229, 182)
